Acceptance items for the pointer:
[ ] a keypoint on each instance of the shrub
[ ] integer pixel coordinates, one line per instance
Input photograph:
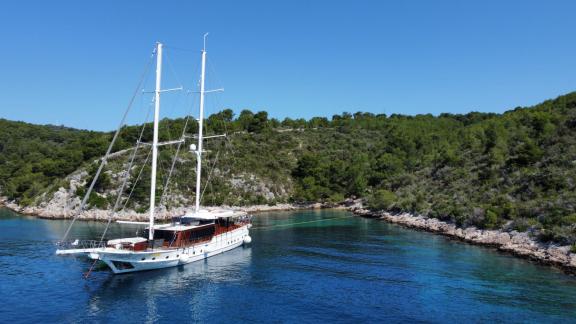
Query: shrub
(336, 198)
(558, 234)
(490, 219)
(568, 220)
(97, 201)
(382, 200)
(523, 224)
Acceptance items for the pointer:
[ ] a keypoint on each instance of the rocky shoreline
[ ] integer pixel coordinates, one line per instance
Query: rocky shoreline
(131, 215)
(516, 243)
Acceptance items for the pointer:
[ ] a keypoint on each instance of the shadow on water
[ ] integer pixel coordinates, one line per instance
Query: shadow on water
(196, 287)
(226, 267)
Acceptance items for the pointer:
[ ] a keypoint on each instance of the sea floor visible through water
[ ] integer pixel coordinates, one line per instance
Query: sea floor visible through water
(305, 266)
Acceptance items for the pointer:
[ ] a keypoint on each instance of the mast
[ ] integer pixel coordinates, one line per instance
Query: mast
(155, 138)
(200, 125)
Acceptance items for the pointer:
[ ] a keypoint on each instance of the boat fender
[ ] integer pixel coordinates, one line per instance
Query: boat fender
(247, 239)
(184, 258)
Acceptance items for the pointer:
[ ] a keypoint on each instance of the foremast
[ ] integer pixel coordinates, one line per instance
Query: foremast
(155, 138)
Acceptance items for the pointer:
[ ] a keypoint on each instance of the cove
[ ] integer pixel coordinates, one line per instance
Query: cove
(305, 266)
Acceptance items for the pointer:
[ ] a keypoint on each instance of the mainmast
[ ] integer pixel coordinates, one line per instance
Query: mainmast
(200, 126)
(155, 138)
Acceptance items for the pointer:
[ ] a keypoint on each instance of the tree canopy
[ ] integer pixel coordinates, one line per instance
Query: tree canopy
(514, 170)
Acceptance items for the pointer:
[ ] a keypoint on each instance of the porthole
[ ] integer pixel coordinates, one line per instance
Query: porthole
(153, 258)
(143, 259)
(167, 256)
(177, 255)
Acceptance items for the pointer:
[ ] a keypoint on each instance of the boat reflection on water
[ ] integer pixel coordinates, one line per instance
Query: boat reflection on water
(193, 281)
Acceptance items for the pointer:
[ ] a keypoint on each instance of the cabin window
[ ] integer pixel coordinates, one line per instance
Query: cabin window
(164, 235)
(201, 233)
(224, 222)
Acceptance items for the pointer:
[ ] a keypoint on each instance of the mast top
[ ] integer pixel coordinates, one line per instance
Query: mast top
(205, 36)
(158, 45)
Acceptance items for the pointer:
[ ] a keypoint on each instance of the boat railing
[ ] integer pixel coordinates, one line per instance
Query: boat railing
(82, 244)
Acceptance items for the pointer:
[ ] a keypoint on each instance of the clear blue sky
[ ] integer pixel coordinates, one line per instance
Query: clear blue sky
(77, 62)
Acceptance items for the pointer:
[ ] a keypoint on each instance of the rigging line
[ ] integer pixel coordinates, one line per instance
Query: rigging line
(210, 174)
(161, 163)
(216, 103)
(167, 183)
(232, 163)
(165, 124)
(168, 130)
(168, 61)
(137, 179)
(194, 77)
(165, 190)
(150, 107)
(169, 133)
(126, 177)
(109, 150)
(307, 222)
(186, 121)
(212, 191)
(213, 75)
(164, 173)
(228, 144)
(191, 106)
(165, 179)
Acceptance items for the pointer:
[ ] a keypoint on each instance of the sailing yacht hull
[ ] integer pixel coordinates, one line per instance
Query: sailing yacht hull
(123, 261)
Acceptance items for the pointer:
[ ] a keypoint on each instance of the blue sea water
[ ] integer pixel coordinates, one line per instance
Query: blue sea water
(328, 268)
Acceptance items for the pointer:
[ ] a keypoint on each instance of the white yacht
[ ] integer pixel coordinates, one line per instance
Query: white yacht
(194, 236)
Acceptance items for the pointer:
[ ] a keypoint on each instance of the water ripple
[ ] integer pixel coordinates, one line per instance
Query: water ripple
(340, 271)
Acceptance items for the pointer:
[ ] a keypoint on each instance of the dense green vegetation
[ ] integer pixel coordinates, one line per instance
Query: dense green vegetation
(514, 170)
(33, 157)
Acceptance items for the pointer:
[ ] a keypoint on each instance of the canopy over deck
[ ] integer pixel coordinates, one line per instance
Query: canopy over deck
(210, 214)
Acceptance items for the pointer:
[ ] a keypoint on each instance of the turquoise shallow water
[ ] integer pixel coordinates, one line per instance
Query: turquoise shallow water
(338, 270)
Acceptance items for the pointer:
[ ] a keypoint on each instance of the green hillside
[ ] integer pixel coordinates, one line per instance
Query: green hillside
(515, 170)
